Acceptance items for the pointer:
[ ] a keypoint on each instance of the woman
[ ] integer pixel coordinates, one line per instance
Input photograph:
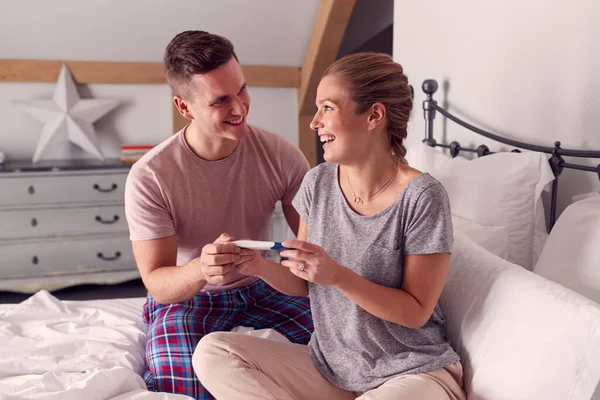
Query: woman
(373, 251)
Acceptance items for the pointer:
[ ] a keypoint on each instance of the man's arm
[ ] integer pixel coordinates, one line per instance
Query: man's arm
(168, 283)
(293, 166)
(292, 217)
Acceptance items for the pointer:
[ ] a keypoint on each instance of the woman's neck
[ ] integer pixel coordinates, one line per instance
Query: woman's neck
(368, 175)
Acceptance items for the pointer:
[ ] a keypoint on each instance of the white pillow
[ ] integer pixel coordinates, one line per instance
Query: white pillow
(520, 336)
(571, 255)
(501, 189)
(492, 238)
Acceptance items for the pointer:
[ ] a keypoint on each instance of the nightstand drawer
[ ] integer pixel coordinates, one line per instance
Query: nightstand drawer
(90, 188)
(65, 257)
(35, 223)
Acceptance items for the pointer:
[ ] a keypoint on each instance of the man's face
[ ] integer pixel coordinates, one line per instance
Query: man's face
(219, 101)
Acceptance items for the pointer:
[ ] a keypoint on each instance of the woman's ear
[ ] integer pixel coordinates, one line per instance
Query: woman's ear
(377, 115)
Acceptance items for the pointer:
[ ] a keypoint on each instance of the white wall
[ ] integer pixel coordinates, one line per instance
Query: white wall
(527, 70)
(270, 32)
(143, 117)
(264, 32)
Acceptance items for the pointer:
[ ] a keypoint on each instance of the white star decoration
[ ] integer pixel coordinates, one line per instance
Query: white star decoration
(68, 117)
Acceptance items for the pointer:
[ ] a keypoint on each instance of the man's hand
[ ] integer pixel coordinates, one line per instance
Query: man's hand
(219, 258)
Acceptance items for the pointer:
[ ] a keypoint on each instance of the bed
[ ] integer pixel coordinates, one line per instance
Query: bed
(522, 295)
(520, 334)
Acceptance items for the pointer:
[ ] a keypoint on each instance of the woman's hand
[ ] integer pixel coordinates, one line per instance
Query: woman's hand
(251, 264)
(311, 263)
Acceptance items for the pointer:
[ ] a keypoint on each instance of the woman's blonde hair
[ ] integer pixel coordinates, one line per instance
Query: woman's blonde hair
(372, 78)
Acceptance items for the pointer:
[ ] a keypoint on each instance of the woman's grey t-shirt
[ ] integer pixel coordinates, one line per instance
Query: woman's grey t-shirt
(352, 348)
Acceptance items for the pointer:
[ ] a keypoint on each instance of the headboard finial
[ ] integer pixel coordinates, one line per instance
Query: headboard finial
(556, 161)
(430, 86)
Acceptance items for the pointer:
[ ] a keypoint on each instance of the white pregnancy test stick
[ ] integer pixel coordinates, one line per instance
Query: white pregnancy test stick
(258, 245)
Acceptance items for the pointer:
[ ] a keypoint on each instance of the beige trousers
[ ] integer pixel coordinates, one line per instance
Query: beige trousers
(234, 366)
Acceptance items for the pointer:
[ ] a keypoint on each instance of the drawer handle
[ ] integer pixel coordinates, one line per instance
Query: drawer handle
(31, 190)
(103, 257)
(102, 190)
(34, 222)
(35, 260)
(107, 221)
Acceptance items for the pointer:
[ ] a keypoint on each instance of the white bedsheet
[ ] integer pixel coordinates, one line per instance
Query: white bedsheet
(52, 349)
(74, 350)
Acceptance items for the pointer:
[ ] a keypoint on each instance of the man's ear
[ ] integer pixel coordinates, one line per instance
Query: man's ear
(376, 115)
(183, 107)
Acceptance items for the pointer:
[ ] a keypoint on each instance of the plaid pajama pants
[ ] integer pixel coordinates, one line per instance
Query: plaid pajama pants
(174, 330)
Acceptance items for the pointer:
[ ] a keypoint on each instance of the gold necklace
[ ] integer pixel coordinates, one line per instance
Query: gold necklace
(373, 196)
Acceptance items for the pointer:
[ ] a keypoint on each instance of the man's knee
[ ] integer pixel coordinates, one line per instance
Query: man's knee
(165, 339)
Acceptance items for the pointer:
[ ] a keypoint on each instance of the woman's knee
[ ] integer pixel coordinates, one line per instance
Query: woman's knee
(209, 350)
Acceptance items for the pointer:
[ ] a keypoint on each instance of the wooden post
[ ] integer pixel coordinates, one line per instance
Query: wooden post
(327, 34)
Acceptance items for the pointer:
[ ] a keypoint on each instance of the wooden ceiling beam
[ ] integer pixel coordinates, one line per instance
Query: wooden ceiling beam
(331, 22)
(86, 72)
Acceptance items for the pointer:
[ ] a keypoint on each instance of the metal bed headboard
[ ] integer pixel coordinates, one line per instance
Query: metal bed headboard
(557, 162)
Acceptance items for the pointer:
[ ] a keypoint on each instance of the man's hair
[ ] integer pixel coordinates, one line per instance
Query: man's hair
(191, 53)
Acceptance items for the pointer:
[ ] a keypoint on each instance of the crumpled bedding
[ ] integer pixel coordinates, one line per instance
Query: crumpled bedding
(52, 349)
(73, 350)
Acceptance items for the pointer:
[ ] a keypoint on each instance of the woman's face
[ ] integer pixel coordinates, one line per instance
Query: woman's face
(341, 130)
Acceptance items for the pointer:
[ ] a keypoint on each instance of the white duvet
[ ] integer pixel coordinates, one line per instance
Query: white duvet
(51, 349)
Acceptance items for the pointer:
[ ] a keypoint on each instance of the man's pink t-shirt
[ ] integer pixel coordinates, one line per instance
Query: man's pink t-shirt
(172, 191)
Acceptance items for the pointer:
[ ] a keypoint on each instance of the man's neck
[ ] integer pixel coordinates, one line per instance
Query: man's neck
(210, 148)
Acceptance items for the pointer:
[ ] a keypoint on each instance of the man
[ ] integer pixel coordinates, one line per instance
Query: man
(218, 174)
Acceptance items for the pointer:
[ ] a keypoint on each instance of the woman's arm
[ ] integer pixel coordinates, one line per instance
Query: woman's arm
(411, 305)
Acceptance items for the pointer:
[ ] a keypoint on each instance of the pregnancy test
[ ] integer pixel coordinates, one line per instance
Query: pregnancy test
(258, 245)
